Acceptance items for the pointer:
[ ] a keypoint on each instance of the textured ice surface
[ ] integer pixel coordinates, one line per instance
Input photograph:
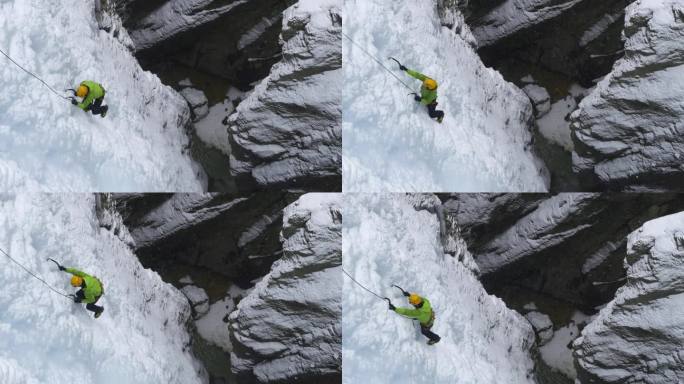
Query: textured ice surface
(47, 339)
(386, 241)
(390, 142)
(46, 144)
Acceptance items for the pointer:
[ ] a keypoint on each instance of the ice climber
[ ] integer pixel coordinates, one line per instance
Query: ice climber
(90, 292)
(92, 94)
(428, 93)
(421, 311)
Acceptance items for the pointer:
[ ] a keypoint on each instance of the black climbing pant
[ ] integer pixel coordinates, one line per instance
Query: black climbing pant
(80, 295)
(96, 107)
(433, 112)
(428, 333)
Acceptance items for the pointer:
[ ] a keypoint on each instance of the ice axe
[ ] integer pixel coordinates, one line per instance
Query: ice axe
(402, 290)
(392, 58)
(58, 264)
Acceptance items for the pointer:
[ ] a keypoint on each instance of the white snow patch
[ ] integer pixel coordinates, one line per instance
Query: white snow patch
(557, 353)
(212, 327)
(555, 125)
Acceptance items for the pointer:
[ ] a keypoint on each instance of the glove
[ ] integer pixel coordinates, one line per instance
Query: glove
(392, 307)
(76, 299)
(62, 268)
(403, 68)
(417, 98)
(406, 293)
(74, 102)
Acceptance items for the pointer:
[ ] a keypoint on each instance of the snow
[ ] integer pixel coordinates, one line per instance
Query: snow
(542, 326)
(391, 144)
(213, 128)
(44, 338)
(600, 27)
(212, 327)
(557, 353)
(555, 125)
(46, 144)
(386, 241)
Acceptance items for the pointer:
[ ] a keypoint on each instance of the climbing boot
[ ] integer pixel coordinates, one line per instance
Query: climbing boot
(439, 119)
(104, 111)
(431, 342)
(97, 314)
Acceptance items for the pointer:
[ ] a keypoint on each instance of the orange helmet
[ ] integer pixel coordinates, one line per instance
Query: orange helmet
(76, 281)
(430, 84)
(415, 299)
(82, 91)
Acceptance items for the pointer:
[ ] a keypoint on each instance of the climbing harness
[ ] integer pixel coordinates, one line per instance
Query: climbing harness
(32, 74)
(378, 61)
(36, 277)
(361, 285)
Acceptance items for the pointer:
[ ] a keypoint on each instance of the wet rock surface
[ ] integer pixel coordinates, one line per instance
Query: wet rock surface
(639, 336)
(288, 329)
(628, 133)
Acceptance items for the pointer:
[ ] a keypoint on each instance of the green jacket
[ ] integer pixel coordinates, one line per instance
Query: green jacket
(426, 96)
(423, 314)
(93, 286)
(95, 91)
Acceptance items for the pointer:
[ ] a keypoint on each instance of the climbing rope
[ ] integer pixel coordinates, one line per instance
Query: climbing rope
(377, 61)
(361, 285)
(34, 275)
(32, 74)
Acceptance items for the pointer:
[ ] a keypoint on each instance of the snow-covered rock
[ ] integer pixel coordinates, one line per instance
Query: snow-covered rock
(509, 16)
(288, 130)
(557, 244)
(46, 144)
(639, 336)
(176, 16)
(540, 99)
(234, 236)
(198, 299)
(46, 339)
(629, 132)
(393, 239)
(391, 144)
(542, 325)
(198, 102)
(288, 328)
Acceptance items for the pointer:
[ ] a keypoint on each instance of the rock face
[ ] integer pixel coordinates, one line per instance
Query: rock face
(629, 133)
(639, 336)
(556, 244)
(288, 131)
(494, 20)
(288, 330)
(237, 237)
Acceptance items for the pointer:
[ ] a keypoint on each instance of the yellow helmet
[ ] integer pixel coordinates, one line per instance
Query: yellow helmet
(430, 84)
(415, 299)
(82, 91)
(76, 281)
